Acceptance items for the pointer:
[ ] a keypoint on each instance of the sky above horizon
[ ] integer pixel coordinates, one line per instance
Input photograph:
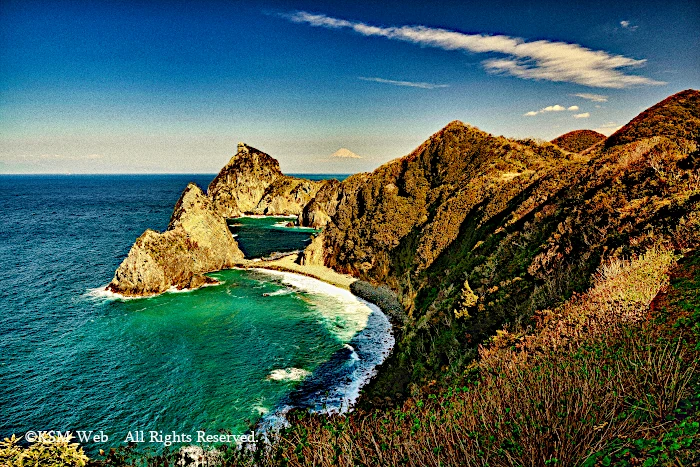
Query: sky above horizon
(172, 86)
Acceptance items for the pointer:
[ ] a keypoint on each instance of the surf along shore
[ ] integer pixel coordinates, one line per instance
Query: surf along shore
(382, 297)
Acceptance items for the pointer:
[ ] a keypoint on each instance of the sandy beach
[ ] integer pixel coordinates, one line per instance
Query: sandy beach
(288, 264)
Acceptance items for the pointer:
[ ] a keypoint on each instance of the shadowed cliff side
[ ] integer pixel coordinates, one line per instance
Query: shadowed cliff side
(197, 241)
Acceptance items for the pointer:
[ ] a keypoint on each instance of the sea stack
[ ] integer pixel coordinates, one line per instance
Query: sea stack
(197, 241)
(252, 183)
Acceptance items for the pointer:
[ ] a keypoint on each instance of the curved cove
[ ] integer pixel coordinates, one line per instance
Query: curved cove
(212, 359)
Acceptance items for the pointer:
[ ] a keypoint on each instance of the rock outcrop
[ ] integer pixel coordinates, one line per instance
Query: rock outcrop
(287, 196)
(197, 241)
(241, 184)
(312, 255)
(252, 183)
(321, 208)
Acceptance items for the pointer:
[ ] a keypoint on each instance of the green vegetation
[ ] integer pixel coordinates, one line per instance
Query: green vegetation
(54, 451)
(579, 140)
(525, 224)
(600, 381)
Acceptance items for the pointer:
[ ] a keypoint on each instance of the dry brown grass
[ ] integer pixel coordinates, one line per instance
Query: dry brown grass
(593, 370)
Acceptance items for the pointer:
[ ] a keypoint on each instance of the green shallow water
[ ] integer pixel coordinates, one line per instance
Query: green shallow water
(207, 360)
(218, 358)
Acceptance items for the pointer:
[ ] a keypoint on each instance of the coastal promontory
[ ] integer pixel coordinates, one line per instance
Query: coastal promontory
(196, 241)
(252, 183)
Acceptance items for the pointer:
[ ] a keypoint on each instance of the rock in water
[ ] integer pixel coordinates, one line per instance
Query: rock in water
(197, 241)
(252, 183)
(241, 184)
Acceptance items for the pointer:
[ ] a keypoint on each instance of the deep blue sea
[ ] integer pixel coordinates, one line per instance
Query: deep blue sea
(221, 358)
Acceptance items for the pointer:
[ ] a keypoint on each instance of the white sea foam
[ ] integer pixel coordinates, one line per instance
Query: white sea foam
(283, 225)
(288, 374)
(353, 354)
(343, 313)
(280, 292)
(260, 216)
(101, 293)
(261, 410)
(374, 343)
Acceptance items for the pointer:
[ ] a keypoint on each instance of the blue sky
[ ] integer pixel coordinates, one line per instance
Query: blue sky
(155, 86)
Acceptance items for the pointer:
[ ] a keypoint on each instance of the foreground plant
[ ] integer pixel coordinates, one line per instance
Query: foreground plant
(46, 451)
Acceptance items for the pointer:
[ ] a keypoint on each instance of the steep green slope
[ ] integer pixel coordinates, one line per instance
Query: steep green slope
(516, 222)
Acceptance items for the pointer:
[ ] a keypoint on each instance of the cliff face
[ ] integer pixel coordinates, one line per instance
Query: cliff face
(252, 183)
(242, 182)
(287, 196)
(197, 241)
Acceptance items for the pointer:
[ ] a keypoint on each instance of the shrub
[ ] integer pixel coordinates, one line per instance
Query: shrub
(46, 451)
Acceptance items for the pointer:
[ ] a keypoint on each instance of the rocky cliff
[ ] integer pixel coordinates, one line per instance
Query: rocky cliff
(197, 241)
(252, 183)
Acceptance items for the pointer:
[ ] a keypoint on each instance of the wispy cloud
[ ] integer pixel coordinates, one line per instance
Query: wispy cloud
(410, 84)
(608, 128)
(592, 97)
(628, 25)
(59, 157)
(551, 108)
(582, 115)
(540, 60)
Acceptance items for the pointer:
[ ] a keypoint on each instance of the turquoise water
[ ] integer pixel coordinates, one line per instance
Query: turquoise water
(262, 236)
(218, 358)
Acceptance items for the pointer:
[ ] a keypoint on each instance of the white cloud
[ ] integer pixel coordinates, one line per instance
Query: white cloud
(545, 60)
(592, 97)
(608, 128)
(583, 115)
(410, 84)
(551, 108)
(628, 25)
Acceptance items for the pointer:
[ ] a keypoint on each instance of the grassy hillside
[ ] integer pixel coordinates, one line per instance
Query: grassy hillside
(578, 140)
(604, 379)
(519, 224)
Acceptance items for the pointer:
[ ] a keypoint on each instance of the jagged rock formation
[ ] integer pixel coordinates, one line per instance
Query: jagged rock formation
(252, 183)
(287, 196)
(312, 255)
(578, 140)
(197, 241)
(241, 184)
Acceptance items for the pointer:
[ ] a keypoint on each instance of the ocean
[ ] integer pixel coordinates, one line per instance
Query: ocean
(226, 358)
